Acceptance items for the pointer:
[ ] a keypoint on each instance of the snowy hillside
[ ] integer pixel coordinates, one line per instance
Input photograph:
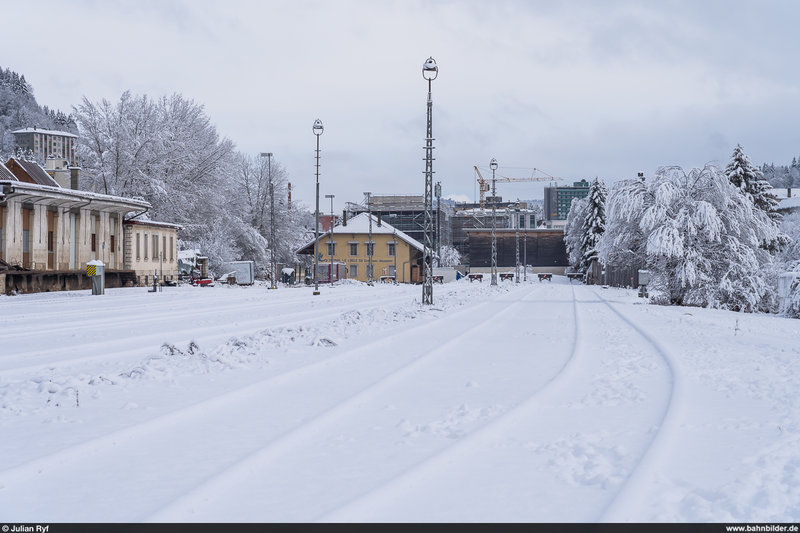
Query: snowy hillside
(532, 402)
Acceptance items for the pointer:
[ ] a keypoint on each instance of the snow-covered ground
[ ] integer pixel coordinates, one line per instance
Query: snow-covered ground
(531, 402)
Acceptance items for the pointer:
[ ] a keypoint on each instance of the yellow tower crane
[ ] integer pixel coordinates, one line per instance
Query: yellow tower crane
(483, 184)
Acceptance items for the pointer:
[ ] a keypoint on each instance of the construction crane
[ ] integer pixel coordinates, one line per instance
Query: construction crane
(483, 184)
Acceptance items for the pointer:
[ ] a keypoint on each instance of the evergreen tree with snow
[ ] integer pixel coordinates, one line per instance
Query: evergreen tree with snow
(751, 183)
(595, 223)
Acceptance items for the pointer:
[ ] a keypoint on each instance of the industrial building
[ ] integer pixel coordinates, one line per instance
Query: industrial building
(406, 213)
(542, 248)
(509, 215)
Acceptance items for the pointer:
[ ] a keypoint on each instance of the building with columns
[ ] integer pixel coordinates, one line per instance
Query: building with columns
(48, 233)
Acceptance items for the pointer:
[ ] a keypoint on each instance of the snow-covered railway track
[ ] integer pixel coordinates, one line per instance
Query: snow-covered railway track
(185, 433)
(588, 456)
(645, 472)
(262, 471)
(118, 350)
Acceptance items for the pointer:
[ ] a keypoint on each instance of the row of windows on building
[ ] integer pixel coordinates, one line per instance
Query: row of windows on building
(150, 243)
(391, 248)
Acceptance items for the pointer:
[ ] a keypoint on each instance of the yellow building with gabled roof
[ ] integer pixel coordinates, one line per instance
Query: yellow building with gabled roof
(393, 254)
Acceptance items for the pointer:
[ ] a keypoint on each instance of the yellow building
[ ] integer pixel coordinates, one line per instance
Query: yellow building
(391, 250)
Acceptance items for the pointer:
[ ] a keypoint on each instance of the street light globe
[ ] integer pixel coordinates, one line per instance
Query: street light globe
(318, 127)
(493, 164)
(429, 69)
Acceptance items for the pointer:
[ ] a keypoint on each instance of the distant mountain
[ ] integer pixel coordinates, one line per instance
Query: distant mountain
(19, 109)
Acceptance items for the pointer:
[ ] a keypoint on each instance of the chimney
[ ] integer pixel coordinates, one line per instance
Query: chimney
(73, 178)
(379, 219)
(344, 217)
(641, 176)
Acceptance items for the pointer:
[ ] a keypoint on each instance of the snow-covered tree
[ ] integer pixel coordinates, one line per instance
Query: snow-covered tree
(751, 183)
(703, 241)
(450, 256)
(574, 233)
(624, 244)
(595, 223)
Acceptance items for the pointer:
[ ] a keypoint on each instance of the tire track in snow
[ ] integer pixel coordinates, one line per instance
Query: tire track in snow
(228, 478)
(106, 350)
(126, 323)
(631, 495)
(461, 450)
(30, 470)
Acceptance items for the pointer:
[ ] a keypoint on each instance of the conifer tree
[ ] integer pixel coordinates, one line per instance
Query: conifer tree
(751, 183)
(595, 224)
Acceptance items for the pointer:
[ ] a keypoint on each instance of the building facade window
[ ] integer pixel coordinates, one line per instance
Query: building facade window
(171, 248)
(145, 246)
(353, 249)
(138, 246)
(164, 246)
(392, 249)
(155, 246)
(353, 271)
(331, 248)
(370, 248)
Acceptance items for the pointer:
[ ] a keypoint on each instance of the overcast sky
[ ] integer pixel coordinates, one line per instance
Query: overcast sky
(576, 89)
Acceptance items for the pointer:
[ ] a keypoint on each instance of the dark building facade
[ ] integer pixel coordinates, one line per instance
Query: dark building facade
(537, 248)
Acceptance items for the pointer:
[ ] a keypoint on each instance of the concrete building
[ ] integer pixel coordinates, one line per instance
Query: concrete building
(48, 233)
(45, 144)
(394, 253)
(557, 201)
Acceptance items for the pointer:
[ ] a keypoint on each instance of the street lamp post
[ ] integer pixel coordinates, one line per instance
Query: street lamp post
(429, 72)
(493, 166)
(516, 239)
(370, 246)
(330, 240)
(317, 128)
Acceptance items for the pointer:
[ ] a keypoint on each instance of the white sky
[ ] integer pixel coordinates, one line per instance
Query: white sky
(577, 89)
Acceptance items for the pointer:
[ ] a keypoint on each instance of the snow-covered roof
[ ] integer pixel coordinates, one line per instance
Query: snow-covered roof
(6, 174)
(359, 224)
(46, 132)
(67, 196)
(153, 223)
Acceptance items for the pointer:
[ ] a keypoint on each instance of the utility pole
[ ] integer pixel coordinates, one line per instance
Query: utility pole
(370, 246)
(438, 192)
(493, 165)
(429, 72)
